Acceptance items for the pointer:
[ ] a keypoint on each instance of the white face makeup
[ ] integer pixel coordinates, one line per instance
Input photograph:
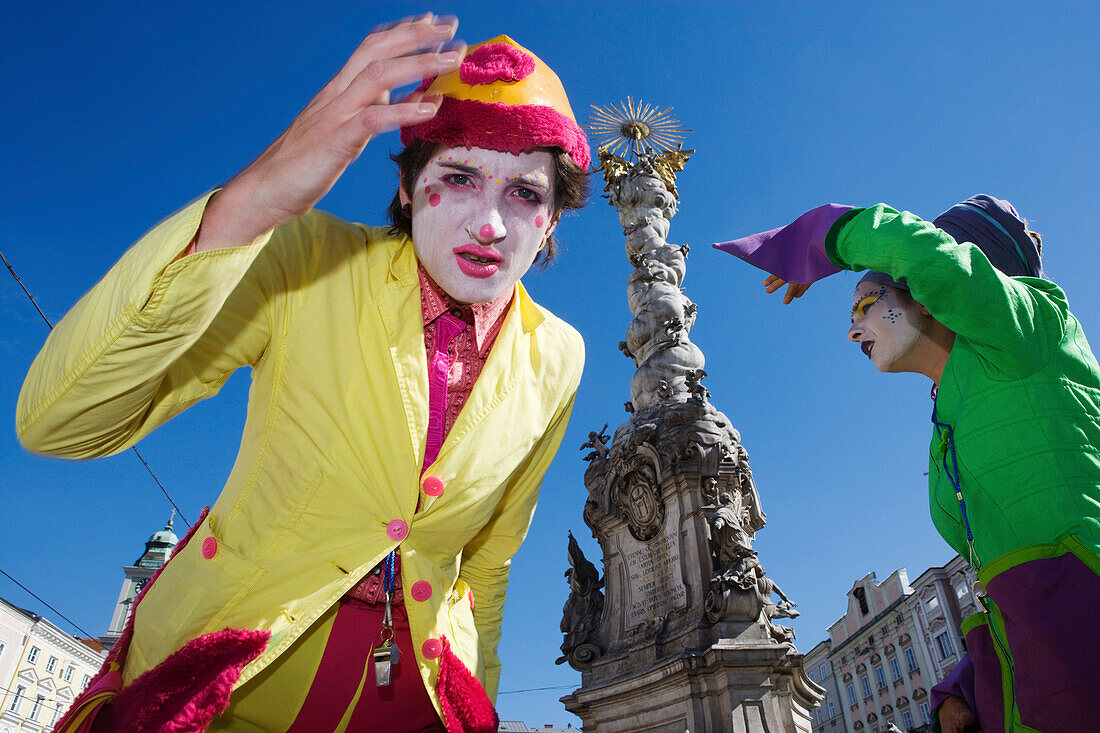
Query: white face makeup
(479, 218)
(885, 326)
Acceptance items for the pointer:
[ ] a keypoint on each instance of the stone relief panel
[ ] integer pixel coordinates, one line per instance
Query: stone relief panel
(654, 580)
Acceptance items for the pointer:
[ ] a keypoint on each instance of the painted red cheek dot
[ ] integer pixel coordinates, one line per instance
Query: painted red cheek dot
(433, 200)
(538, 221)
(427, 189)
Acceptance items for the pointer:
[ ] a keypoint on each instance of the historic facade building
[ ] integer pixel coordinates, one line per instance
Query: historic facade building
(42, 669)
(942, 597)
(829, 716)
(896, 640)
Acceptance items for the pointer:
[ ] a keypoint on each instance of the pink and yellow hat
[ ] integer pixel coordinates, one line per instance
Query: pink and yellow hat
(504, 98)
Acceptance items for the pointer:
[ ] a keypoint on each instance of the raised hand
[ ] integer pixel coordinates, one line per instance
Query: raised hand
(307, 159)
(794, 290)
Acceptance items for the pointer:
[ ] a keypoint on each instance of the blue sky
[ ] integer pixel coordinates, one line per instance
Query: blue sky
(116, 114)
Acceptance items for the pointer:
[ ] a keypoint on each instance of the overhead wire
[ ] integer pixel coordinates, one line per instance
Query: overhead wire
(537, 689)
(47, 605)
(133, 448)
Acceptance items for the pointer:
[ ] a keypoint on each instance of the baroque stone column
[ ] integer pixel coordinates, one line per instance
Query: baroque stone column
(680, 633)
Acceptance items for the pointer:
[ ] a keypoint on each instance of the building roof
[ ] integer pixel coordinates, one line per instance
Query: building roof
(516, 726)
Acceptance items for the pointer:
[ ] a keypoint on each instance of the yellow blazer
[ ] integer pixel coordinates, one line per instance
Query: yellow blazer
(327, 314)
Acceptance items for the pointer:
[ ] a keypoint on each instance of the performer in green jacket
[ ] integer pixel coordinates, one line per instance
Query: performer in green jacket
(1014, 460)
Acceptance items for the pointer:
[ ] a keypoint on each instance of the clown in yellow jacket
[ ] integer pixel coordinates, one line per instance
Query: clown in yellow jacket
(407, 398)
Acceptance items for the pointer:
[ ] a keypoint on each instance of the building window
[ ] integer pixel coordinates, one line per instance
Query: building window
(50, 664)
(37, 707)
(832, 710)
(85, 681)
(824, 671)
(32, 655)
(932, 604)
(69, 674)
(895, 668)
(861, 596)
(926, 712)
(880, 677)
(1, 650)
(812, 678)
(851, 695)
(910, 659)
(14, 707)
(943, 642)
(865, 685)
(907, 719)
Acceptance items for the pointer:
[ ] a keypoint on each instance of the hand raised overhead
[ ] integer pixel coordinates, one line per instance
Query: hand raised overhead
(307, 159)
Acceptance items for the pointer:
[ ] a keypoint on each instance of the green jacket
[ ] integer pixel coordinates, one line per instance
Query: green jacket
(1021, 387)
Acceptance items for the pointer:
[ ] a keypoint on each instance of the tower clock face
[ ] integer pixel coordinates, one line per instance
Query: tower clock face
(139, 586)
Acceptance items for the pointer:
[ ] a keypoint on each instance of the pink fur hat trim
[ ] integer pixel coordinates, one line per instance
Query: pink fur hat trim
(508, 128)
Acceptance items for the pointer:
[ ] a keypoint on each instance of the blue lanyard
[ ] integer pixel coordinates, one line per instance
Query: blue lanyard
(946, 434)
(388, 573)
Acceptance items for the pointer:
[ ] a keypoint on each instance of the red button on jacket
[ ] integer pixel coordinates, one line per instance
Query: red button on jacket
(432, 648)
(433, 486)
(397, 530)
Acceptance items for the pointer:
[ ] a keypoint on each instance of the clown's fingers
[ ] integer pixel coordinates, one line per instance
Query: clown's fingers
(772, 283)
(794, 290)
(380, 118)
(425, 35)
(373, 84)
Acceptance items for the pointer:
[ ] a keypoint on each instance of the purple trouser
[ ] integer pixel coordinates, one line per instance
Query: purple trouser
(1042, 630)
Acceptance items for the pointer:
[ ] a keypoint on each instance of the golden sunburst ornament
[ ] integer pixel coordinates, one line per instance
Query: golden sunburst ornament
(631, 128)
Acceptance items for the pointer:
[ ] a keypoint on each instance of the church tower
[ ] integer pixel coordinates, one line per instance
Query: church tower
(157, 551)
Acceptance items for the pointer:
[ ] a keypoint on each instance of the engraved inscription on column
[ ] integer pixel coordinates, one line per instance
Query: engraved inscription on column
(655, 585)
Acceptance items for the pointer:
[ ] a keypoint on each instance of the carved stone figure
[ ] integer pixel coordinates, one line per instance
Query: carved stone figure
(765, 586)
(598, 443)
(582, 610)
(730, 543)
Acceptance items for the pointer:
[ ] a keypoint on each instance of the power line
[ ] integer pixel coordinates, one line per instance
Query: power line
(538, 689)
(26, 697)
(133, 448)
(71, 622)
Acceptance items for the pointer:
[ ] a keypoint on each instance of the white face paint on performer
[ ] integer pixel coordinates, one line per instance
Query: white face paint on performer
(886, 323)
(479, 218)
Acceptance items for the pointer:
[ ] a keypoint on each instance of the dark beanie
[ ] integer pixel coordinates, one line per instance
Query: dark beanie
(997, 230)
